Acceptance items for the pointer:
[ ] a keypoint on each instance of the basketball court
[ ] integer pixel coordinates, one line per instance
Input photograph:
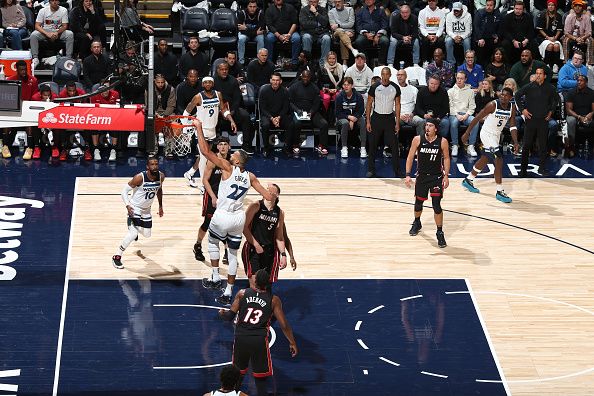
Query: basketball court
(506, 308)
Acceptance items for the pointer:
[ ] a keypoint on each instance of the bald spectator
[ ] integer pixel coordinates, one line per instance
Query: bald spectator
(441, 68)
(522, 70)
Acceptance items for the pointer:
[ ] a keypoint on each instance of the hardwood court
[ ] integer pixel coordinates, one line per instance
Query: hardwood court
(529, 263)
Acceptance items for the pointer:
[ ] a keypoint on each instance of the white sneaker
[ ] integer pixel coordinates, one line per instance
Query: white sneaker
(35, 63)
(454, 150)
(471, 151)
(96, 155)
(555, 69)
(344, 152)
(112, 155)
(355, 52)
(190, 179)
(363, 152)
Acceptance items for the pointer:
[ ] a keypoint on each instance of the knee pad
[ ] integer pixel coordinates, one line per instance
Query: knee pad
(418, 205)
(232, 262)
(205, 224)
(436, 204)
(213, 248)
(145, 232)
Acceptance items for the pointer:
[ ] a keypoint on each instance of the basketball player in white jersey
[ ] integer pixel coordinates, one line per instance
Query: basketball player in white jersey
(230, 376)
(208, 104)
(229, 218)
(144, 186)
(496, 115)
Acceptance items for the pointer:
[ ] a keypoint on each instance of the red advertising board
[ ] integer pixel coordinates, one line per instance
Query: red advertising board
(98, 118)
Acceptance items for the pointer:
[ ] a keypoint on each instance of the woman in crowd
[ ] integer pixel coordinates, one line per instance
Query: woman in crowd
(14, 23)
(498, 70)
(330, 79)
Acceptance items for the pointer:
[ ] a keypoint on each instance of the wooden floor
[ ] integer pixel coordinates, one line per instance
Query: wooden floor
(530, 263)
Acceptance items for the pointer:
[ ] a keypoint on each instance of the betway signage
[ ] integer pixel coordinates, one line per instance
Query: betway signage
(93, 117)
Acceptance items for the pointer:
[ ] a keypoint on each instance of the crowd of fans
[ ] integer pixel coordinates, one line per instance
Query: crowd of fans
(468, 51)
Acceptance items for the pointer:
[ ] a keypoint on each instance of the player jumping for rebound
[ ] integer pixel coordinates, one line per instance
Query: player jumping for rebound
(228, 220)
(433, 167)
(497, 114)
(144, 186)
(208, 103)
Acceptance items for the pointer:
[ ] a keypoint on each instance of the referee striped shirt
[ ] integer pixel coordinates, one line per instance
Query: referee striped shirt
(383, 97)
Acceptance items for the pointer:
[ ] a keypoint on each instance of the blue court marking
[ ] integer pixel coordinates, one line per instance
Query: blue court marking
(115, 335)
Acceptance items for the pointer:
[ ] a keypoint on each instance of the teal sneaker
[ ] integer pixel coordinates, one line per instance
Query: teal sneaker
(467, 184)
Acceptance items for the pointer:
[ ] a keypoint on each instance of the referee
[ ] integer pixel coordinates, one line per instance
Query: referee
(537, 108)
(383, 99)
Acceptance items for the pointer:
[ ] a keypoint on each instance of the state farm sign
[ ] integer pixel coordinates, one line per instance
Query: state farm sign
(98, 118)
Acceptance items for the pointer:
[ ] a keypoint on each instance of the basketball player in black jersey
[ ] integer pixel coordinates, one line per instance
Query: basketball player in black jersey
(255, 307)
(265, 242)
(433, 167)
(211, 180)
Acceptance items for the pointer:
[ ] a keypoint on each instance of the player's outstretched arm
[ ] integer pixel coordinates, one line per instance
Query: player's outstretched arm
(280, 240)
(411, 157)
(445, 148)
(277, 309)
(514, 129)
(488, 109)
(196, 101)
(258, 187)
(229, 314)
(289, 247)
(160, 194)
(226, 113)
(205, 149)
(247, 227)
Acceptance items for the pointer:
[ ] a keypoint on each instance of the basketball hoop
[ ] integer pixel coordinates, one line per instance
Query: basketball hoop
(177, 134)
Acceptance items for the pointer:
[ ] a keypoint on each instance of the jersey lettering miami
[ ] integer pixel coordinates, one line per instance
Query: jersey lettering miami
(144, 195)
(233, 190)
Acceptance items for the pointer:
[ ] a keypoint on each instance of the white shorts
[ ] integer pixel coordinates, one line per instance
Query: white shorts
(227, 226)
(142, 217)
(490, 140)
(209, 133)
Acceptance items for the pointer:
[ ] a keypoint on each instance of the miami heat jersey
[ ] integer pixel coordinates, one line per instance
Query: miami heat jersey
(208, 113)
(430, 157)
(496, 121)
(143, 195)
(233, 190)
(265, 223)
(255, 311)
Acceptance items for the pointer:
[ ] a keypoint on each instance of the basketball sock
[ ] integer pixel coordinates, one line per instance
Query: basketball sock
(439, 228)
(131, 236)
(499, 187)
(418, 219)
(470, 177)
(191, 171)
(228, 289)
(215, 274)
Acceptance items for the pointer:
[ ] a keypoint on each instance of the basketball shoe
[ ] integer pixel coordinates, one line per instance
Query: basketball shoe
(208, 283)
(441, 242)
(416, 227)
(117, 262)
(503, 197)
(198, 255)
(223, 299)
(469, 185)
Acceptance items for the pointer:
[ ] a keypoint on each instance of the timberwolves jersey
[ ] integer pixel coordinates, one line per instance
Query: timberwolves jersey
(496, 121)
(255, 311)
(143, 195)
(264, 224)
(208, 113)
(430, 157)
(233, 190)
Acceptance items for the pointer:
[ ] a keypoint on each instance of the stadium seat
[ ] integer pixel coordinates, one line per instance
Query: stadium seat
(52, 85)
(66, 69)
(193, 21)
(224, 22)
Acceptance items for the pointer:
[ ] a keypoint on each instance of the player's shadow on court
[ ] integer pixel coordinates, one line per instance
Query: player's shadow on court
(459, 253)
(564, 183)
(532, 207)
(153, 270)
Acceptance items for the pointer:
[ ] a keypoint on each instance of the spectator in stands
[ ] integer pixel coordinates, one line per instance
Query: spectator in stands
(537, 108)
(313, 22)
(497, 70)
(372, 24)
(458, 27)
(96, 66)
(362, 76)
(482, 4)
(229, 88)
(462, 106)
(185, 91)
(251, 27)
(549, 29)
(349, 112)
(166, 62)
(441, 68)
(578, 31)
(131, 23)
(526, 67)
(408, 99)
(405, 35)
(569, 73)
(87, 23)
(580, 110)
(431, 28)
(432, 102)
(474, 72)
(330, 80)
(306, 63)
(260, 69)
(51, 24)
(342, 25)
(14, 24)
(484, 96)
(517, 31)
(62, 137)
(486, 30)
(29, 87)
(193, 59)
(282, 20)
(164, 105)
(275, 111)
(109, 96)
(305, 99)
(235, 69)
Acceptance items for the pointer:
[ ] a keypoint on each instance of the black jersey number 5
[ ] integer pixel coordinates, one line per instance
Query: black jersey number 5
(239, 191)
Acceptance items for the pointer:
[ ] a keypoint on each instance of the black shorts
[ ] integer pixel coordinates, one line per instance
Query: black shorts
(207, 207)
(269, 260)
(428, 185)
(252, 348)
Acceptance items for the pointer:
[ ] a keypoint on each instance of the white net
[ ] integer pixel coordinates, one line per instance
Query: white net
(178, 139)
